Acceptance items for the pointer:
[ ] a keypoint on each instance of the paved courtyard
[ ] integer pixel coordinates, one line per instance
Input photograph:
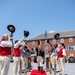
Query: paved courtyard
(69, 68)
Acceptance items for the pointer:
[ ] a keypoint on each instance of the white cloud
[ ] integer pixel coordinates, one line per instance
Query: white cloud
(51, 31)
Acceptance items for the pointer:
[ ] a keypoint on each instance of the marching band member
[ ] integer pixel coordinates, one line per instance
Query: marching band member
(16, 55)
(61, 57)
(40, 56)
(5, 53)
(54, 54)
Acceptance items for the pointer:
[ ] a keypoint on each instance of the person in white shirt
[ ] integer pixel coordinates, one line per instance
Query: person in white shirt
(5, 53)
(40, 57)
(61, 57)
(16, 55)
(54, 55)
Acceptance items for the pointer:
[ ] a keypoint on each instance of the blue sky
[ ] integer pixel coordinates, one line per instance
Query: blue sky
(36, 16)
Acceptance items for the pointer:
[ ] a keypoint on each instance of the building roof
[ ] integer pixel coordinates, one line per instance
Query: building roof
(63, 34)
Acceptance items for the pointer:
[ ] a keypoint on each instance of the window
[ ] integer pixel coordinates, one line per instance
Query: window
(33, 42)
(32, 50)
(66, 47)
(46, 48)
(40, 42)
(70, 47)
(45, 41)
(62, 40)
(70, 39)
(53, 41)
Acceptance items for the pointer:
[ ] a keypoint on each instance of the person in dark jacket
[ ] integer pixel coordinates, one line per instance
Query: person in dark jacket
(40, 56)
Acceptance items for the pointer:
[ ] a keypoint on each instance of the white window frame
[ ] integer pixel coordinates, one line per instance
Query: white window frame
(70, 47)
(70, 39)
(54, 41)
(46, 42)
(33, 42)
(46, 48)
(62, 40)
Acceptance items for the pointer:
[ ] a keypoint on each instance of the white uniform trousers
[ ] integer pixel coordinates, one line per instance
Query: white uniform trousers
(4, 65)
(16, 65)
(40, 61)
(52, 61)
(24, 63)
(62, 65)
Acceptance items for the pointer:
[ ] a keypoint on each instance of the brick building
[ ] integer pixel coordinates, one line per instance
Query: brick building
(66, 37)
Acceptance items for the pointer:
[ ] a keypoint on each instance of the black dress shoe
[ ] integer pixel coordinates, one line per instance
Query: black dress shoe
(39, 68)
(58, 71)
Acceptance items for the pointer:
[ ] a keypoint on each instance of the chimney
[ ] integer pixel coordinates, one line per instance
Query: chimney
(45, 33)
